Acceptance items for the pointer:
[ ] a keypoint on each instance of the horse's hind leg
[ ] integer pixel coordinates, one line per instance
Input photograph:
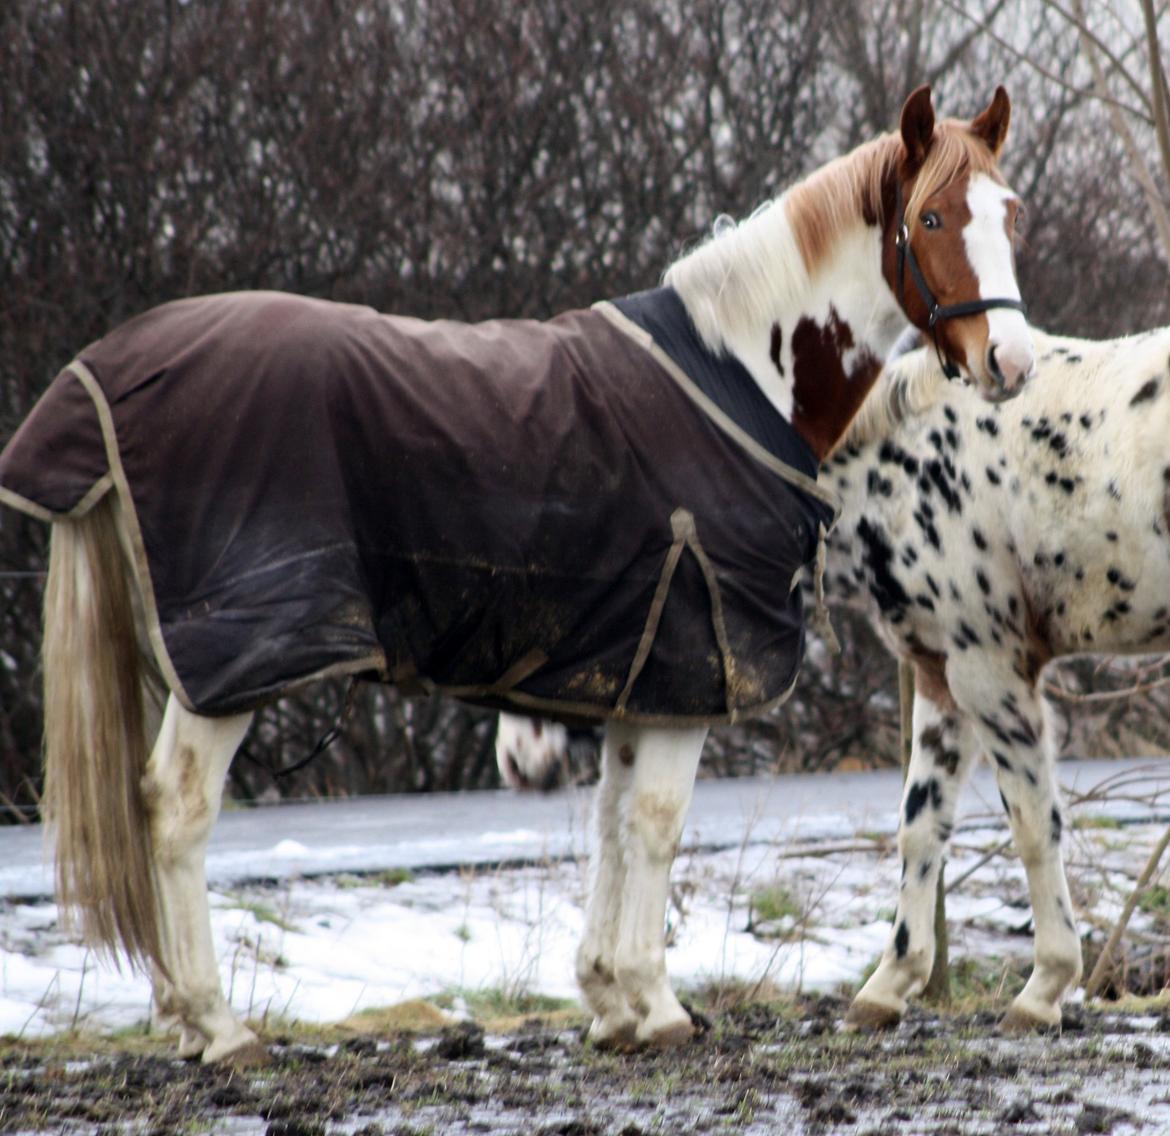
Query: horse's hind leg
(183, 787)
(943, 752)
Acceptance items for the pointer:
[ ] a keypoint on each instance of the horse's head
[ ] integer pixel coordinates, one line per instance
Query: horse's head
(948, 247)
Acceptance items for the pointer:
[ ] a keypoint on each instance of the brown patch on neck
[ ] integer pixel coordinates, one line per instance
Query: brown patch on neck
(825, 395)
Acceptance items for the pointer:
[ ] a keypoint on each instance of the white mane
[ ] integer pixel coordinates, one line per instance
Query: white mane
(742, 275)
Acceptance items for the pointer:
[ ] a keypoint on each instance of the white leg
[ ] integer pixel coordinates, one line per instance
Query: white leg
(647, 780)
(1031, 797)
(943, 752)
(191, 1043)
(1011, 722)
(183, 786)
(665, 762)
(614, 1019)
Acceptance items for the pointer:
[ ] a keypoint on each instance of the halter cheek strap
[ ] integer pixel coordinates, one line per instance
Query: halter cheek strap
(937, 312)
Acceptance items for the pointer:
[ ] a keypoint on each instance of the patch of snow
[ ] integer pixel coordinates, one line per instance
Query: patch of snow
(319, 945)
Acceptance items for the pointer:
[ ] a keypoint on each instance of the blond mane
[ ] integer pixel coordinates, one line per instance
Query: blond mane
(748, 271)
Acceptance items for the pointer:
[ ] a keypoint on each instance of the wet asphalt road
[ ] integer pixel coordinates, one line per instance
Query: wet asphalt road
(446, 830)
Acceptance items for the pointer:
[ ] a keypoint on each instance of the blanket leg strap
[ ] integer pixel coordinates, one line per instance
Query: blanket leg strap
(323, 743)
(682, 524)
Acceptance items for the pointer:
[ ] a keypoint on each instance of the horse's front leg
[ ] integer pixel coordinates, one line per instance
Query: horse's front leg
(614, 1019)
(183, 787)
(1018, 736)
(647, 780)
(943, 752)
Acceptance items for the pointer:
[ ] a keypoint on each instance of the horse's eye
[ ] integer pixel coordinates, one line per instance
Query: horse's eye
(931, 221)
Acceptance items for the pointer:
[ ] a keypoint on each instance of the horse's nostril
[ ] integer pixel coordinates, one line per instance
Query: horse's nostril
(1008, 366)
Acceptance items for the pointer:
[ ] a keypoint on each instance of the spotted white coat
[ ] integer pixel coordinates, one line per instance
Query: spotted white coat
(988, 540)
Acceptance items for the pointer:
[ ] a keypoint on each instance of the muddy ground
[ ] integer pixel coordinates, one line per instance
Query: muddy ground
(755, 1069)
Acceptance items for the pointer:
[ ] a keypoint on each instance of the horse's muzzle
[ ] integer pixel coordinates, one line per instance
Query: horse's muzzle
(1009, 366)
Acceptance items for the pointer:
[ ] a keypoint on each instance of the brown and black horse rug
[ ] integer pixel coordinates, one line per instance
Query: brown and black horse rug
(579, 515)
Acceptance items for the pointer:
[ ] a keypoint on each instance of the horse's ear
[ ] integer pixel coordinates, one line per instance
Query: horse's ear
(992, 124)
(917, 127)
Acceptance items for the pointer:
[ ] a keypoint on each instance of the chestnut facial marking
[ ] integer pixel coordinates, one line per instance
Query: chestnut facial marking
(987, 237)
(954, 274)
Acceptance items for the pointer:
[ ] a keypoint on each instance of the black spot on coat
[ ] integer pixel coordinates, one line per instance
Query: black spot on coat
(902, 940)
(915, 799)
(1148, 390)
(884, 585)
(935, 471)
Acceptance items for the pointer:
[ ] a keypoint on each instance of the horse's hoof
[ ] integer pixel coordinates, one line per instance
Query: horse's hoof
(870, 1017)
(1018, 1019)
(243, 1052)
(191, 1044)
(613, 1039)
(671, 1036)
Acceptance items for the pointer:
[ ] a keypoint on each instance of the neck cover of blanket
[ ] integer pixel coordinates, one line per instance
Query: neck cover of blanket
(542, 515)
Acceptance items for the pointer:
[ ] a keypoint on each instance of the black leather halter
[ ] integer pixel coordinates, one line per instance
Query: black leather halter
(937, 312)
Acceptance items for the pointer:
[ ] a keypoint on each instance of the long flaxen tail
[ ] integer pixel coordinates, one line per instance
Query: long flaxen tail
(95, 741)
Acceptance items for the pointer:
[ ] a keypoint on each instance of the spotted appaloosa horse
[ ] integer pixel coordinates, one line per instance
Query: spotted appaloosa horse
(985, 541)
(989, 540)
(808, 295)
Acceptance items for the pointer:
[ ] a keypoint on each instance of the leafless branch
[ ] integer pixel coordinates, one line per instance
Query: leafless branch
(1053, 77)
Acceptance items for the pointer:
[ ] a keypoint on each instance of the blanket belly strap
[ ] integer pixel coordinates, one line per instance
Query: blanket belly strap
(409, 681)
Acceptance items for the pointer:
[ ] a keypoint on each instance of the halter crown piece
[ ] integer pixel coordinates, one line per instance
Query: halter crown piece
(937, 312)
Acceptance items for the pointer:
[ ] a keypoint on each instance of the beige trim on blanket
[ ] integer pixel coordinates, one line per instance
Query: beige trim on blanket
(132, 531)
(93, 495)
(590, 711)
(718, 621)
(136, 549)
(24, 505)
(728, 425)
(686, 535)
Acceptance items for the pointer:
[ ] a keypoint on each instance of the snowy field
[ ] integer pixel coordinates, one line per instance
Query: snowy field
(772, 895)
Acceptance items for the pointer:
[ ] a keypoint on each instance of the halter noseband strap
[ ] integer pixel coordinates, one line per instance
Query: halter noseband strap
(937, 312)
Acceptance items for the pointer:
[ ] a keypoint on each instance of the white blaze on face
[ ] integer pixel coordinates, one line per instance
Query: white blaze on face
(989, 252)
